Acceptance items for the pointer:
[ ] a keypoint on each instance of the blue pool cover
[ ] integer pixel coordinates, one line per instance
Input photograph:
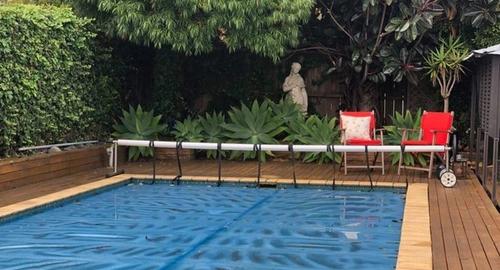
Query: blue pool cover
(162, 226)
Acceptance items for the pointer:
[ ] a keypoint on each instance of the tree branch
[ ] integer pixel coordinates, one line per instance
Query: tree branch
(330, 13)
(379, 35)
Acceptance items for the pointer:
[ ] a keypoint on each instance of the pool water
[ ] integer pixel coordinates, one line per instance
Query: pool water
(162, 226)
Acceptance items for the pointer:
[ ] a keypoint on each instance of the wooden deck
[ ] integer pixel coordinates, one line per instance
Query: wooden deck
(465, 226)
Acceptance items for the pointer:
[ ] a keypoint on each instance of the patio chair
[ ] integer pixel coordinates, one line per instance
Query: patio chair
(358, 128)
(435, 129)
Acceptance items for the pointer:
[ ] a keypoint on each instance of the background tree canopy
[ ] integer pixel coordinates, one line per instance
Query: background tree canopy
(266, 27)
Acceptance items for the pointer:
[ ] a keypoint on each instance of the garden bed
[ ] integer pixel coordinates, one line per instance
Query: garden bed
(16, 172)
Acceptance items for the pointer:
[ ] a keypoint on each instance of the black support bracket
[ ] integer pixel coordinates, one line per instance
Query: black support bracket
(178, 147)
(292, 158)
(331, 148)
(368, 170)
(219, 163)
(152, 146)
(257, 148)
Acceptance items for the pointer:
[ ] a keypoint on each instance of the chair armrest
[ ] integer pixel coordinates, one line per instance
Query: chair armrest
(442, 131)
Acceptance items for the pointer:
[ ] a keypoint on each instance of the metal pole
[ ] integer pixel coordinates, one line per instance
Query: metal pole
(385, 107)
(115, 157)
(478, 143)
(485, 159)
(495, 171)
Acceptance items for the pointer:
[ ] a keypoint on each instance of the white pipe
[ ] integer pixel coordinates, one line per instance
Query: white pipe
(284, 147)
(57, 145)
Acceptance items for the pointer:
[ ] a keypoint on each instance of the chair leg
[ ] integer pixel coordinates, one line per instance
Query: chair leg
(400, 163)
(383, 163)
(431, 163)
(345, 163)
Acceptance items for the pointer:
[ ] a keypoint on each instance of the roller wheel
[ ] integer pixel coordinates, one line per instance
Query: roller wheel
(448, 179)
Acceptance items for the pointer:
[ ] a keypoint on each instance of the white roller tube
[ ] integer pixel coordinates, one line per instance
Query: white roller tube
(285, 147)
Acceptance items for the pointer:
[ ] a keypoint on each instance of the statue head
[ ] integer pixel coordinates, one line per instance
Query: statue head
(295, 68)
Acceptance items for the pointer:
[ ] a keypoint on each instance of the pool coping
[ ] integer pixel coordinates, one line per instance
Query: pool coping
(414, 253)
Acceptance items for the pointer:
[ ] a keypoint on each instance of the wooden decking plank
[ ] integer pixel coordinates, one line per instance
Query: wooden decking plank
(484, 236)
(438, 251)
(450, 244)
(464, 250)
(475, 246)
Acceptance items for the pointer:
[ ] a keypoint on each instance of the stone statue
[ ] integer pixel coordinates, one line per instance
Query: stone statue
(295, 88)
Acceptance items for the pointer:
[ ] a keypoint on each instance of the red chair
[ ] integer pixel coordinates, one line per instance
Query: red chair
(435, 129)
(367, 136)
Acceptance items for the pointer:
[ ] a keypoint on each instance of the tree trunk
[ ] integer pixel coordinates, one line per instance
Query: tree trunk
(446, 104)
(367, 97)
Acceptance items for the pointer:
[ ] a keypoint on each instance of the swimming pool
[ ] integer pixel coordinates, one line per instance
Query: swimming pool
(197, 226)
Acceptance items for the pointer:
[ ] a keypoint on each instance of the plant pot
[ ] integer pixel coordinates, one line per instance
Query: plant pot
(170, 154)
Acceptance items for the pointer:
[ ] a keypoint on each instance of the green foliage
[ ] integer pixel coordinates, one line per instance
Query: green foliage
(481, 13)
(189, 130)
(137, 124)
(315, 130)
(286, 110)
(212, 130)
(445, 65)
(487, 36)
(255, 125)
(48, 85)
(394, 136)
(265, 27)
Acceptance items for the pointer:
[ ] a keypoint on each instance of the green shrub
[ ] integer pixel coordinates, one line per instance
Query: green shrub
(395, 134)
(315, 130)
(137, 124)
(188, 130)
(47, 87)
(212, 130)
(255, 125)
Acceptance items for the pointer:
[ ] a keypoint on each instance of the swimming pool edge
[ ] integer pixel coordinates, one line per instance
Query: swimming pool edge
(415, 246)
(414, 252)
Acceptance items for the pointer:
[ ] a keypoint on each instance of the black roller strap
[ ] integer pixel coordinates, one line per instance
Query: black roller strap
(219, 163)
(404, 166)
(178, 147)
(257, 148)
(368, 167)
(292, 158)
(152, 145)
(331, 148)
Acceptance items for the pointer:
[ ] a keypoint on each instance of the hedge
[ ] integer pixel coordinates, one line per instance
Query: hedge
(48, 88)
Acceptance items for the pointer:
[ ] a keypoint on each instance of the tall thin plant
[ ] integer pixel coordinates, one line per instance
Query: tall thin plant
(445, 66)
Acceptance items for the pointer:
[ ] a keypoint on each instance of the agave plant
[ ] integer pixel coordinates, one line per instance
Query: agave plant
(286, 110)
(212, 130)
(137, 124)
(188, 130)
(315, 130)
(395, 134)
(255, 125)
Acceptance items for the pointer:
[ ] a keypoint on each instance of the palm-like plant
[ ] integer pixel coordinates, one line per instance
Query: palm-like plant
(315, 130)
(445, 66)
(188, 130)
(255, 125)
(394, 136)
(137, 124)
(212, 130)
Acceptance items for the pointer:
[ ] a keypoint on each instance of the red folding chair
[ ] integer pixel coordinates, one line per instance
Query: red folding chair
(435, 129)
(349, 136)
